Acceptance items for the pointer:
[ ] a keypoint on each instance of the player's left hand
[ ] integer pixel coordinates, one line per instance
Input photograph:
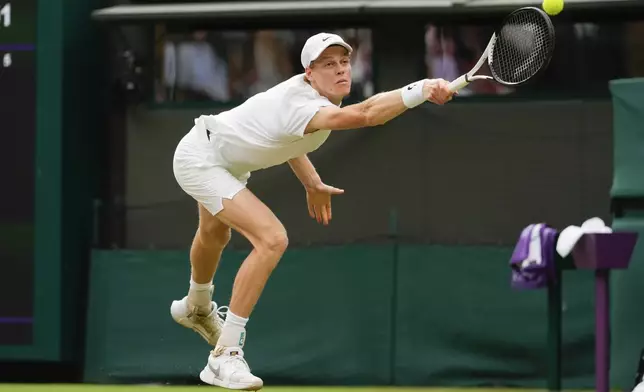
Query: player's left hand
(318, 199)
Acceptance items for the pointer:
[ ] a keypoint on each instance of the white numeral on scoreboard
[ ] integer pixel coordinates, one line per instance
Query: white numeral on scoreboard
(5, 14)
(6, 60)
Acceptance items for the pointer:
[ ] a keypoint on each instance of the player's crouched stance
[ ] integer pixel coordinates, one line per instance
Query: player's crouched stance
(214, 160)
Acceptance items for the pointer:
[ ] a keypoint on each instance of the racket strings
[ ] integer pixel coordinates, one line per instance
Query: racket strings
(522, 47)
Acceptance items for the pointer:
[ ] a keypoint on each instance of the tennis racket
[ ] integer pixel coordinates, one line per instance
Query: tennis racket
(518, 50)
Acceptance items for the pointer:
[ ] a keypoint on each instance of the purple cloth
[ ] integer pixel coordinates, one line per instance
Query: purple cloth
(533, 259)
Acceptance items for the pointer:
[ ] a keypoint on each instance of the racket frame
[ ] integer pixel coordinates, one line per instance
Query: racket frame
(469, 77)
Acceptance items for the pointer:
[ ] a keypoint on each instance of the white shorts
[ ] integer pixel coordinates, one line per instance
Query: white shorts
(202, 174)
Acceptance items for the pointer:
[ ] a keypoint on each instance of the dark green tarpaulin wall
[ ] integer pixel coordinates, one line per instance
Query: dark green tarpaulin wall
(628, 137)
(627, 312)
(354, 314)
(627, 290)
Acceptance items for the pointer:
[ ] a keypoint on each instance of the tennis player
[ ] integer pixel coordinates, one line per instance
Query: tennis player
(213, 162)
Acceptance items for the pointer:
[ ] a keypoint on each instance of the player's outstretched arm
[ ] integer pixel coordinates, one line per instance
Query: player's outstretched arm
(382, 107)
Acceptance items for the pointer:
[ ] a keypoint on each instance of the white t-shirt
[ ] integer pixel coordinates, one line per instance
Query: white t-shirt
(268, 128)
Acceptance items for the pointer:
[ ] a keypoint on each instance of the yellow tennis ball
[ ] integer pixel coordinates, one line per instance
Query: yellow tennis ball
(553, 7)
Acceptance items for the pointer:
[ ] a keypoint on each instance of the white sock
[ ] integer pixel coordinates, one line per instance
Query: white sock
(200, 295)
(234, 331)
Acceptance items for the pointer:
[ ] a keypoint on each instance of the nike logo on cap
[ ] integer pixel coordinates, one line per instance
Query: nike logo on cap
(324, 39)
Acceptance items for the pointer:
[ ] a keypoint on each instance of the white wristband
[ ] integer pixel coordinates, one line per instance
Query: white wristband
(412, 94)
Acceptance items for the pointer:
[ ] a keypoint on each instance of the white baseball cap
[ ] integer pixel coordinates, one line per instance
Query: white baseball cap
(316, 44)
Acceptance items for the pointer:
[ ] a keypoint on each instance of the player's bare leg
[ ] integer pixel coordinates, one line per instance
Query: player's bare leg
(197, 310)
(249, 216)
(209, 242)
(255, 221)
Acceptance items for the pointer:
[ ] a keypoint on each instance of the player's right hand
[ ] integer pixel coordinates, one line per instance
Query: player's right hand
(437, 91)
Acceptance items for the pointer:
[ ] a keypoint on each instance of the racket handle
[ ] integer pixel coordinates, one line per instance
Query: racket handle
(458, 83)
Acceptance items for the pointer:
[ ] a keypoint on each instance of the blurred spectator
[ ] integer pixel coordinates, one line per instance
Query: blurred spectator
(198, 71)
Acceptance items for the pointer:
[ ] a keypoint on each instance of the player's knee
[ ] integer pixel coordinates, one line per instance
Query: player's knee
(273, 241)
(214, 235)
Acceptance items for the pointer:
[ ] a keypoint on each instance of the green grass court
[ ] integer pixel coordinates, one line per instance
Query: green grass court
(153, 388)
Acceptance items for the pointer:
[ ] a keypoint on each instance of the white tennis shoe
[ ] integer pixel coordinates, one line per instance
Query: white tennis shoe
(227, 368)
(208, 325)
